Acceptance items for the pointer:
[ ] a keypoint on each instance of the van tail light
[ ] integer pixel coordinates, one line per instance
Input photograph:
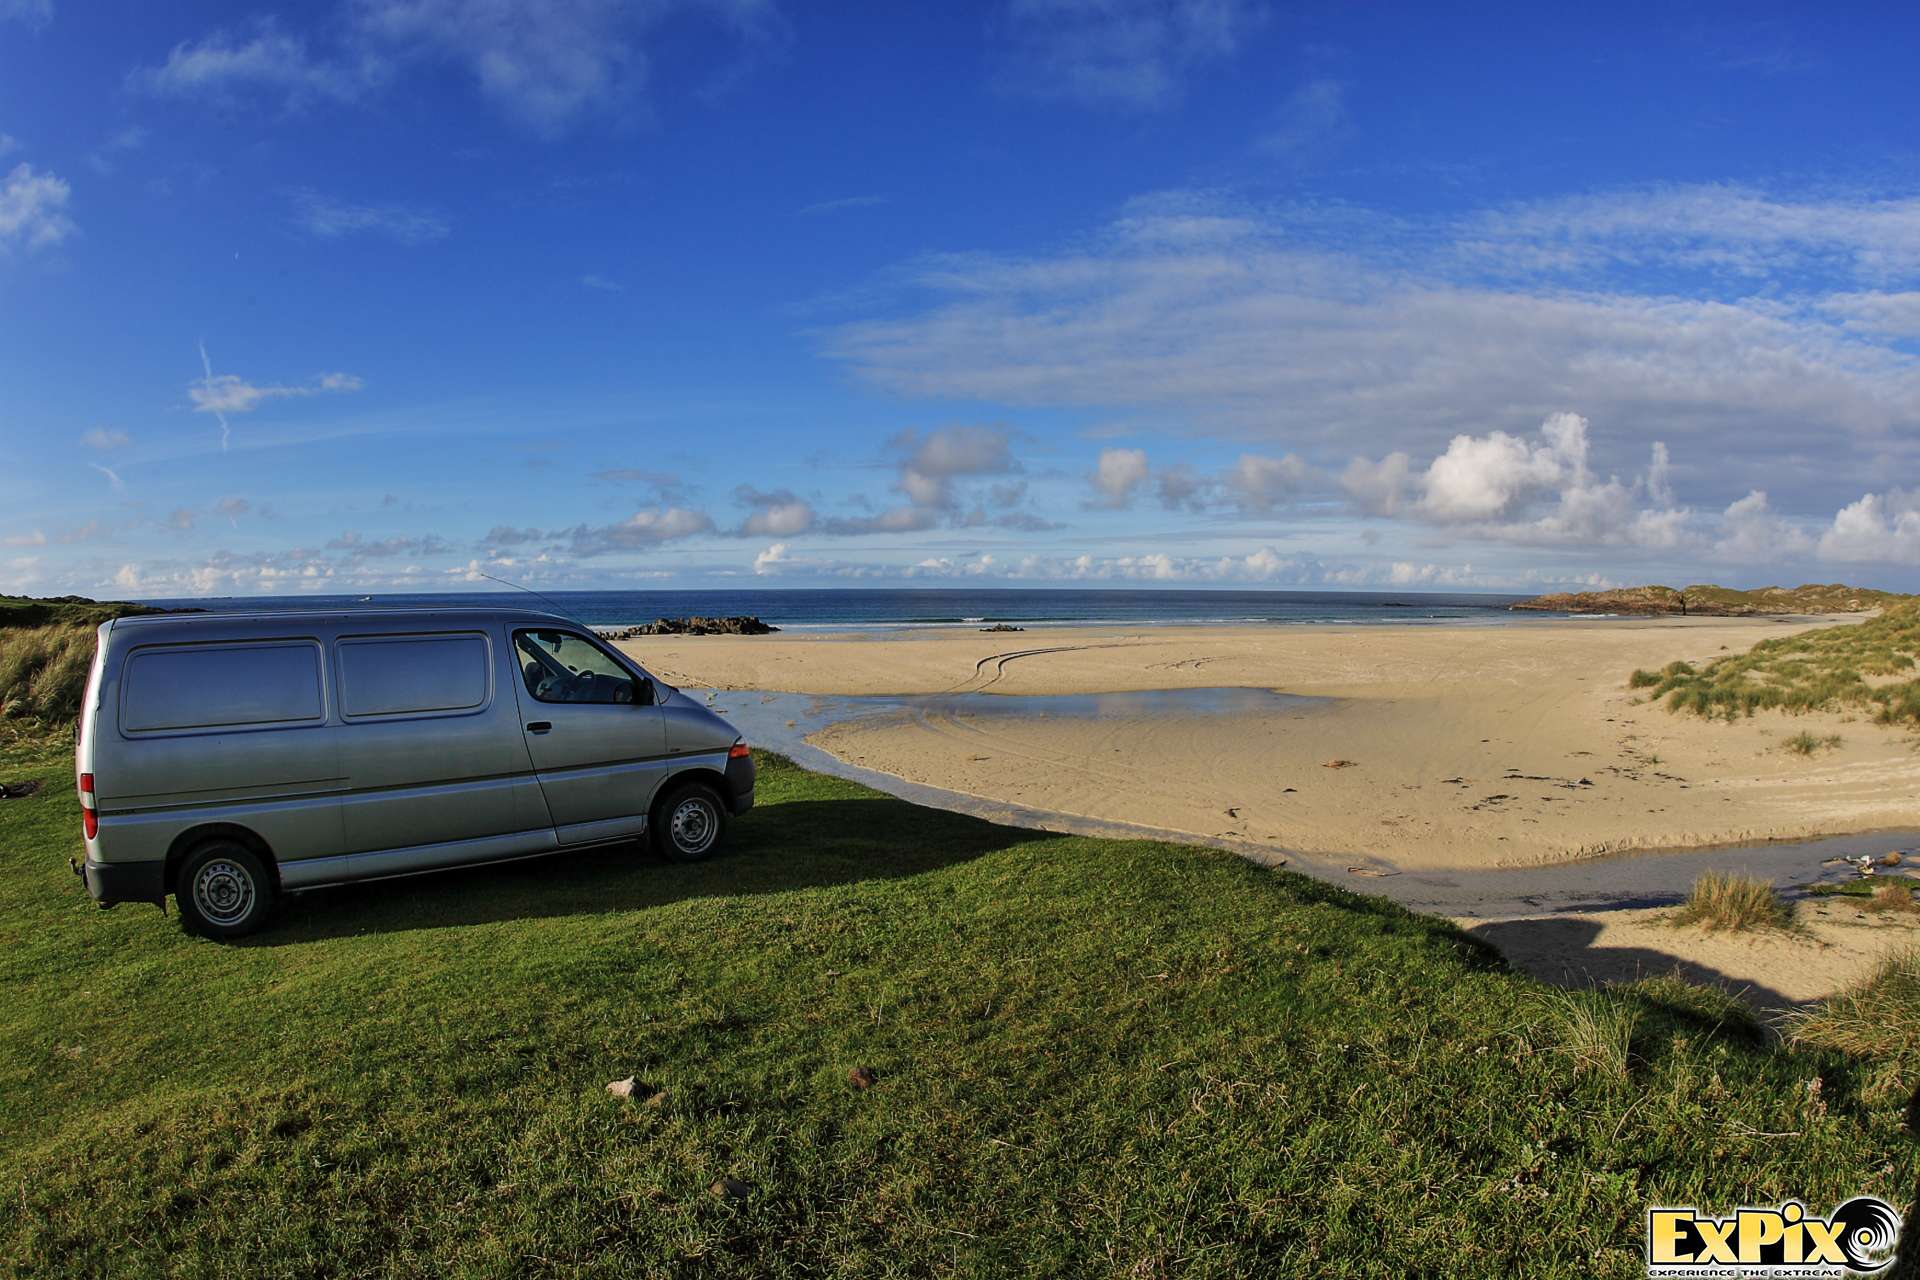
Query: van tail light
(738, 751)
(89, 815)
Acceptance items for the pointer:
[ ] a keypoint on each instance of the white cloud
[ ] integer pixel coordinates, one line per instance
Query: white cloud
(641, 531)
(841, 205)
(1133, 54)
(547, 62)
(223, 393)
(225, 65)
(33, 209)
(331, 219)
(776, 514)
(602, 283)
(36, 538)
(1259, 485)
(35, 13)
(106, 439)
(1881, 528)
(1751, 532)
(1118, 475)
(1244, 324)
(1379, 488)
(113, 477)
(770, 560)
(8, 144)
(1895, 315)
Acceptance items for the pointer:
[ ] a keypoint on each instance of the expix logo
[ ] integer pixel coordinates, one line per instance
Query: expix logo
(1857, 1238)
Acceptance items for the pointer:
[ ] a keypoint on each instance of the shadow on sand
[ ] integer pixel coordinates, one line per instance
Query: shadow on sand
(1562, 951)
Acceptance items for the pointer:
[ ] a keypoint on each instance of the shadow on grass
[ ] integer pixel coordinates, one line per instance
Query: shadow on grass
(1563, 952)
(796, 844)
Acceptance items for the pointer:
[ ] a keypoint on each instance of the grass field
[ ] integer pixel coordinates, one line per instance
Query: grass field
(1093, 1057)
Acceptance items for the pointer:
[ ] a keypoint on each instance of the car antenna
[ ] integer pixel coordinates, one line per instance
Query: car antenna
(549, 599)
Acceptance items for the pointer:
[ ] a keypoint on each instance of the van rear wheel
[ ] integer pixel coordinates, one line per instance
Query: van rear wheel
(691, 823)
(224, 890)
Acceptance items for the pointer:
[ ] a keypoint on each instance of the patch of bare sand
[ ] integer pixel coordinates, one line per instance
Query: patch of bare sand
(1772, 971)
(1471, 746)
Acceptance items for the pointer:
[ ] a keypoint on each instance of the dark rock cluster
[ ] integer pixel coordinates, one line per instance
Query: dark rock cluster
(737, 626)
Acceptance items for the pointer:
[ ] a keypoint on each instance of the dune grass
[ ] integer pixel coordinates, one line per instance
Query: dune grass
(1729, 903)
(43, 671)
(1867, 667)
(1880, 1018)
(1805, 744)
(1092, 1058)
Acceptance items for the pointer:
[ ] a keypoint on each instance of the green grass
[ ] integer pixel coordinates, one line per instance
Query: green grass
(1734, 904)
(1868, 667)
(1094, 1057)
(46, 647)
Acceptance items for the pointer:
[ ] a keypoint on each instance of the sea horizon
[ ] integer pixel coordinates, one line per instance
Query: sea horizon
(802, 609)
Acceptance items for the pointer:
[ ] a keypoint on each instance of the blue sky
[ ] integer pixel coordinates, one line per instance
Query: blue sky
(385, 294)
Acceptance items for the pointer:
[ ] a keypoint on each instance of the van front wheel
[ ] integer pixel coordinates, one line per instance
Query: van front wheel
(691, 823)
(224, 890)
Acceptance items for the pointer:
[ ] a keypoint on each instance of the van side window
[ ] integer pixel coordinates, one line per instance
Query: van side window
(412, 675)
(560, 666)
(221, 686)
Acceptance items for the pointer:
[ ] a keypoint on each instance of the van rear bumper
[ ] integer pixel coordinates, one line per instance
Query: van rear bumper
(111, 882)
(740, 773)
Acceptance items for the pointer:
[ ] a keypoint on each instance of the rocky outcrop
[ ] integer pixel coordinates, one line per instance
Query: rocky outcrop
(1707, 601)
(736, 626)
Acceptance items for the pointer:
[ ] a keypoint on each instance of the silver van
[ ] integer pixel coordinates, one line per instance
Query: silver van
(228, 758)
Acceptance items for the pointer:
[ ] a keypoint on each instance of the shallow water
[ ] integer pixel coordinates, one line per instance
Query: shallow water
(782, 721)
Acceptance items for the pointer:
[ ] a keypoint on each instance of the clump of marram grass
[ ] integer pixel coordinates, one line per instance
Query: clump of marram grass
(1805, 744)
(1722, 902)
(43, 671)
(1821, 670)
(1879, 1017)
(1597, 1035)
(1893, 897)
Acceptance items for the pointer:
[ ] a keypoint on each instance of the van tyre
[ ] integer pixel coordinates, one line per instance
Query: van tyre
(692, 823)
(224, 890)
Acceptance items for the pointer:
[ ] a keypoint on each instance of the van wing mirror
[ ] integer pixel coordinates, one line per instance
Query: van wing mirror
(643, 692)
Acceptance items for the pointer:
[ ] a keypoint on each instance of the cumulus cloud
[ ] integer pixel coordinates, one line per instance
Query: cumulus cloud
(1314, 117)
(1541, 492)
(1259, 485)
(1878, 528)
(1118, 475)
(642, 531)
(776, 514)
(327, 218)
(1133, 54)
(33, 210)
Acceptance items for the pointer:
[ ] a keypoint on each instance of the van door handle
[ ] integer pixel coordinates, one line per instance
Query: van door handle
(539, 726)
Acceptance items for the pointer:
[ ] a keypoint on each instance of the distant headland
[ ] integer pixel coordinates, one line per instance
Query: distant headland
(1717, 602)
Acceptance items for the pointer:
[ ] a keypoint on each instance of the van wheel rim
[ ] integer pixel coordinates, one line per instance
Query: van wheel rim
(693, 825)
(223, 892)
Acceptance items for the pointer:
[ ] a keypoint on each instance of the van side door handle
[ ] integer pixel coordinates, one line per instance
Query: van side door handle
(539, 726)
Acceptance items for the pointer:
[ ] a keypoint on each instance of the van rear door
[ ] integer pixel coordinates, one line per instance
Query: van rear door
(597, 742)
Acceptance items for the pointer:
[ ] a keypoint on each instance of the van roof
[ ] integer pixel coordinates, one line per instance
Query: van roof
(381, 613)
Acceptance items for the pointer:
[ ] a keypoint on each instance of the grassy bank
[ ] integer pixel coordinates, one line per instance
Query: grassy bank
(45, 649)
(1869, 667)
(1093, 1057)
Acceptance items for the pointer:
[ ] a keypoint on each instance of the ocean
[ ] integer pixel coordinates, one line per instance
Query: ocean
(898, 609)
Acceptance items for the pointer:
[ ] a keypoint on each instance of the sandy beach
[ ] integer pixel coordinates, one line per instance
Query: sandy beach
(1467, 747)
